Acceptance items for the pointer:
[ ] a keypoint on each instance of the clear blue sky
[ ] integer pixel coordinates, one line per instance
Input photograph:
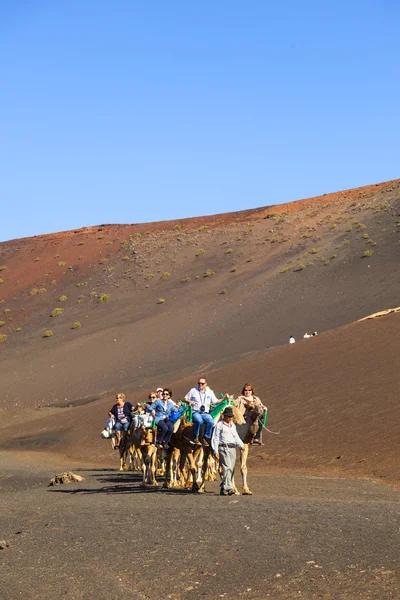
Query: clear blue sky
(129, 111)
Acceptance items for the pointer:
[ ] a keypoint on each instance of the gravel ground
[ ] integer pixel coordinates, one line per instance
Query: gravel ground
(297, 537)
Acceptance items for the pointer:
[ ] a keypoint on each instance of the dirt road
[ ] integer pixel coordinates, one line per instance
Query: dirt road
(298, 537)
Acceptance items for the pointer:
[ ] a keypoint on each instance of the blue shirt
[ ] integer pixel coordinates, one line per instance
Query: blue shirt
(162, 409)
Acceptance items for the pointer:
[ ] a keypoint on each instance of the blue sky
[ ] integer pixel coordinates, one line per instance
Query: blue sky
(130, 111)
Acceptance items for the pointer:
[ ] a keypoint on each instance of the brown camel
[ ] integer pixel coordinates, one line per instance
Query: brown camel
(139, 442)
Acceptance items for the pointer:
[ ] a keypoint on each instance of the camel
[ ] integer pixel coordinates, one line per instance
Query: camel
(139, 443)
(190, 455)
(246, 420)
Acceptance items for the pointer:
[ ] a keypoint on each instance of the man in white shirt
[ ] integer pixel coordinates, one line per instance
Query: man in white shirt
(291, 340)
(201, 398)
(224, 442)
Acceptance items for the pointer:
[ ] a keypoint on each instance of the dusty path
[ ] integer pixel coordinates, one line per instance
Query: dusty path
(297, 537)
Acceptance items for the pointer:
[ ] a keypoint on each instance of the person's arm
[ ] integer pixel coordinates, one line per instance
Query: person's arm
(215, 441)
(187, 399)
(152, 406)
(214, 399)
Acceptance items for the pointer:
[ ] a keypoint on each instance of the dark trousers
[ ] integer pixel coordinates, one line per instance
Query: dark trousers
(165, 429)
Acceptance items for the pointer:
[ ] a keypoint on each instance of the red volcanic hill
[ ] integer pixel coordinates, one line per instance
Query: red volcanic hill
(139, 305)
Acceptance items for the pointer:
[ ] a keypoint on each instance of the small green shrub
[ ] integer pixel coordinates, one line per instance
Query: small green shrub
(126, 258)
(197, 277)
(101, 237)
(327, 262)
(233, 269)
(250, 259)
(3, 268)
(1, 280)
(93, 294)
(222, 292)
(7, 310)
(203, 228)
(33, 292)
(48, 333)
(349, 228)
(61, 263)
(161, 301)
(42, 291)
(2, 323)
(333, 256)
(57, 312)
(104, 298)
(314, 251)
(177, 228)
(368, 252)
(3, 337)
(285, 269)
(149, 276)
(81, 257)
(208, 273)
(185, 280)
(300, 267)
(201, 252)
(63, 298)
(80, 300)
(81, 284)
(76, 325)
(37, 259)
(365, 236)
(103, 260)
(362, 226)
(18, 329)
(165, 275)
(54, 282)
(228, 251)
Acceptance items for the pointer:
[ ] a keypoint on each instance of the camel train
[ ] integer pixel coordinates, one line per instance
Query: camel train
(184, 461)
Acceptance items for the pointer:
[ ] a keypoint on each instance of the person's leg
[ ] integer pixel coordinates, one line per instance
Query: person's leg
(118, 427)
(209, 421)
(170, 430)
(162, 430)
(197, 422)
(225, 459)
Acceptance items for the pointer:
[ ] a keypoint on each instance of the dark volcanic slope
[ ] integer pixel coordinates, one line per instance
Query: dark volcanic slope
(334, 399)
(314, 264)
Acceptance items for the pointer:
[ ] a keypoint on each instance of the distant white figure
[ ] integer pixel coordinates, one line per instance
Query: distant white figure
(306, 336)
(314, 333)
(291, 340)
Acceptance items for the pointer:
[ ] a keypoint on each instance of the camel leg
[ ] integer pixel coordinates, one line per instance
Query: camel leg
(243, 469)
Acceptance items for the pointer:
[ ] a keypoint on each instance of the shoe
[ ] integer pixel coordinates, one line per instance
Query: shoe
(196, 441)
(116, 447)
(233, 492)
(223, 493)
(205, 442)
(166, 446)
(259, 442)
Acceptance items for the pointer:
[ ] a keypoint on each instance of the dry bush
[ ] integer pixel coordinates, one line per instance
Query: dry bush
(34, 292)
(61, 263)
(203, 228)
(1, 280)
(201, 252)
(7, 310)
(233, 269)
(285, 269)
(161, 301)
(3, 337)
(63, 298)
(104, 298)
(165, 275)
(37, 259)
(208, 273)
(228, 251)
(368, 252)
(222, 292)
(185, 280)
(54, 282)
(2, 323)
(76, 325)
(149, 276)
(3, 268)
(42, 290)
(250, 259)
(18, 329)
(48, 333)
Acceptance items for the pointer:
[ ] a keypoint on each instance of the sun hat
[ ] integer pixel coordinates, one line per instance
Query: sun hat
(159, 389)
(228, 412)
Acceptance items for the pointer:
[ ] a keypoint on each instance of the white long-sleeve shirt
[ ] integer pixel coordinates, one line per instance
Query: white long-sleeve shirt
(225, 434)
(201, 398)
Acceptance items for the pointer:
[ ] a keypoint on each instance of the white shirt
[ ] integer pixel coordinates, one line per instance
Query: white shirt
(201, 398)
(291, 340)
(225, 434)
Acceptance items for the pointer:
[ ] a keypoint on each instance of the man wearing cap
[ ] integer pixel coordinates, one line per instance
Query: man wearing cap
(225, 440)
(159, 392)
(201, 398)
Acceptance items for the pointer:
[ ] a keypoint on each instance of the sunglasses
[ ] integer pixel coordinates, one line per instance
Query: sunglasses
(248, 390)
(153, 397)
(165, 394)
(202, 382)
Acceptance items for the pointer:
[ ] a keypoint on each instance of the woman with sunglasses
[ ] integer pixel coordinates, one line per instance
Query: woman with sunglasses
(161, 409)
(248, 400)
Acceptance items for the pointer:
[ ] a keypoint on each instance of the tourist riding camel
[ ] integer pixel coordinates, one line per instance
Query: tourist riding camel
(200, 398)
(247, 400)
(121, 411)
(225, 440)
(162, 409)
